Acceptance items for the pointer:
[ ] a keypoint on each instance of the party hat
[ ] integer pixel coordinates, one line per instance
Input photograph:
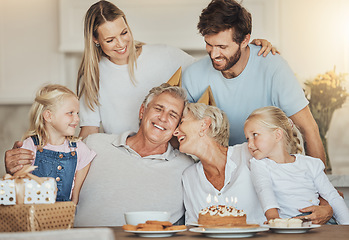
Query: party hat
(176, 79)
(207, 97)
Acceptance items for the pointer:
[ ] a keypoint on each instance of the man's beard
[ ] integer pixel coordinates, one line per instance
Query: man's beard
(230, 63)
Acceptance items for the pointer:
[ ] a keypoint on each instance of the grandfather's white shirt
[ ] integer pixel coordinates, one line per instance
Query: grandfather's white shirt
(237, 183)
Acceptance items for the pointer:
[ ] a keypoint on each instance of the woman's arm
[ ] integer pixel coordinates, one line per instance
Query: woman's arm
(87, 130)
(79, 180)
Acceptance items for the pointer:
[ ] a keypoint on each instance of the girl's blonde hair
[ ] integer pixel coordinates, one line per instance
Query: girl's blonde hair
(88, 74)
(274, 118)
(219, 128)
(47, 98)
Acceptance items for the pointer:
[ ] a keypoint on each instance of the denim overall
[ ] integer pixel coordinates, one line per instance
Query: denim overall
(58, 165)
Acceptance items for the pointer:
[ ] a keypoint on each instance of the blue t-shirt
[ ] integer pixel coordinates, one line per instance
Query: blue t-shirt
(265, 81)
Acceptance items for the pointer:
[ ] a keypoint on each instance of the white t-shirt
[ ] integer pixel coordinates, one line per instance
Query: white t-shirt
(120, 99)
(237, 184)
(292, 186)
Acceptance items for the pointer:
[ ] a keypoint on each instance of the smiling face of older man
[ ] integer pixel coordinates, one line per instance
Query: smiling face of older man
(161, 117)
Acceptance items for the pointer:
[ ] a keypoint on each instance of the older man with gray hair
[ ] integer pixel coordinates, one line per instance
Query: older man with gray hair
(137, 171)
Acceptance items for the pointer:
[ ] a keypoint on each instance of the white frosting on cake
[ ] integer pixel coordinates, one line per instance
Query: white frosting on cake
(222, 211)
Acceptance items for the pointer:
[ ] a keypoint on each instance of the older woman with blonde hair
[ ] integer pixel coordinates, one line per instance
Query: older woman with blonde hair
(222, 173)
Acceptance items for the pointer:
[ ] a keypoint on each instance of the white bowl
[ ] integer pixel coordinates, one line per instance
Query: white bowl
(135, 218)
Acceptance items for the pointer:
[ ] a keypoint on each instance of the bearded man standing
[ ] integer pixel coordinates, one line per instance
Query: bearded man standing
(241, 80)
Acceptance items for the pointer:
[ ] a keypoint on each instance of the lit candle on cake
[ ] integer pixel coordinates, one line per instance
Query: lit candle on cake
(236, 202)
(215, 198)
(209, 199)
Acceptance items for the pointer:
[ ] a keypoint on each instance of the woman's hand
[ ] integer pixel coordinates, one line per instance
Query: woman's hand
(17, 157)
(266, 47)
(319, 214)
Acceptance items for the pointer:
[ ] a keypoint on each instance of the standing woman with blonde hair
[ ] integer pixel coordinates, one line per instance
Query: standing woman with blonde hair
(116, 72)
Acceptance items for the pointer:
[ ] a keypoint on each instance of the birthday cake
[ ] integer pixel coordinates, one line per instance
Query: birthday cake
(222, 215)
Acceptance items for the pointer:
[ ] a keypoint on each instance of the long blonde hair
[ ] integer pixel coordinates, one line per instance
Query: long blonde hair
(47, 98)
(88, 74)
(273, 118)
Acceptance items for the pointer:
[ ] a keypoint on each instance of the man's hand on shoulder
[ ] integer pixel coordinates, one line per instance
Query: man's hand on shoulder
(16, 157)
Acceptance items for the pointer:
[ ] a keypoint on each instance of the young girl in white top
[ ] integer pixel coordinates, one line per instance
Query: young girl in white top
(58, 154)
(285, 180)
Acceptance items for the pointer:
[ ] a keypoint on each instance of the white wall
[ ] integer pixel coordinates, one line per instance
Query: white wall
(29, 53)
(312, 35)
(315, 35)
(314, 38)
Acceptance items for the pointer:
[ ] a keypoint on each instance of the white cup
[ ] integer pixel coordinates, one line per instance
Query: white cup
(135, 218)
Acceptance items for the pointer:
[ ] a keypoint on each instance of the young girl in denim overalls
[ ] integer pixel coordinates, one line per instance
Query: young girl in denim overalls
(58, 154)
(285, 180)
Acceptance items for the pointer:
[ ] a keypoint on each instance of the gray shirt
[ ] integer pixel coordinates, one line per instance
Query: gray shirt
(120, 180)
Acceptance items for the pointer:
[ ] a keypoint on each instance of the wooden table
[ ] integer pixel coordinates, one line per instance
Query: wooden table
(325, 232)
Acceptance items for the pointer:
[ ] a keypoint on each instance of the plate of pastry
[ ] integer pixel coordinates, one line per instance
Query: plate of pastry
(290, 225)
(153, 228)
(302, 229)
(222, 221)
(164, 233)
